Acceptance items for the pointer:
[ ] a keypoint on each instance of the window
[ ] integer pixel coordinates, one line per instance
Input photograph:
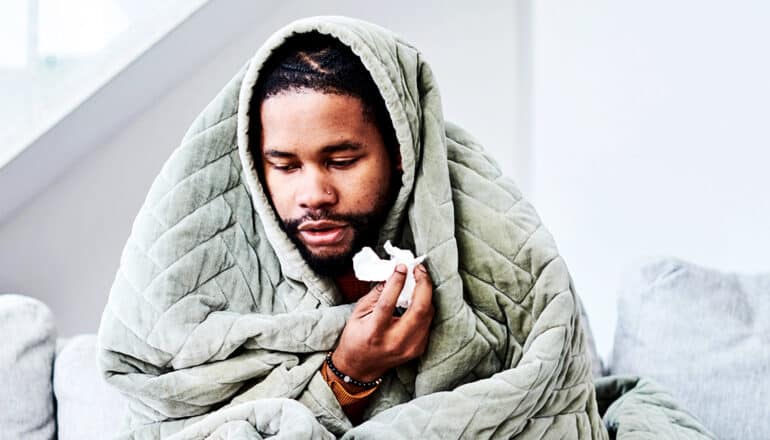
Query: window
(56, 53)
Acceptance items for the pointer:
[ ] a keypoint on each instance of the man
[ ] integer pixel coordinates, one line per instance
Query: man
(235, 313)
(330, 163)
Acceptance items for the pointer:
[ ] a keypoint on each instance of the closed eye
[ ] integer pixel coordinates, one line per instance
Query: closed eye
(342, 163)
(283, 167)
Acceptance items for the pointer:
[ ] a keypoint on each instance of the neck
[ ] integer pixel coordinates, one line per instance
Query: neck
(350, 287)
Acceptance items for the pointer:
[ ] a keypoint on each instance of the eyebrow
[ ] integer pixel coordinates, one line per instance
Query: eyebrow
(329, 149)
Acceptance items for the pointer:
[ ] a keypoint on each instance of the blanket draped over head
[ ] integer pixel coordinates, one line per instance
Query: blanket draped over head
(216, 327)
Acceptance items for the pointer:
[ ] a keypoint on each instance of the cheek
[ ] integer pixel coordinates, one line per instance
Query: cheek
(280, 198)
(368, 188)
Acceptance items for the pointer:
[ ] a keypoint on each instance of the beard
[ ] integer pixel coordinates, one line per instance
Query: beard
(365, 227)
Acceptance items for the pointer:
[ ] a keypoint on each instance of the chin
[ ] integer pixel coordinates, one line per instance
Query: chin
(329, 262)
(331, 253)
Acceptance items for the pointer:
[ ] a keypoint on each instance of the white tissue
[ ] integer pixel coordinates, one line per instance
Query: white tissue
(369, 267)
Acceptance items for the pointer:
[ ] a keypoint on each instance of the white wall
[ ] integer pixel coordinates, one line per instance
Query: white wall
(651, 137)
(648, 131)
(64, 245)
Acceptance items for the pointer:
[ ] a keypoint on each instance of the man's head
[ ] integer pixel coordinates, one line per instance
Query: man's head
(328, 151)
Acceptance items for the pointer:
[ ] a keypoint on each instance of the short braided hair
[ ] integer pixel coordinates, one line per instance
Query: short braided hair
(319, 62)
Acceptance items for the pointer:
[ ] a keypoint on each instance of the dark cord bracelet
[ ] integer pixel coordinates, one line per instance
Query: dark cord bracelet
(347, 379)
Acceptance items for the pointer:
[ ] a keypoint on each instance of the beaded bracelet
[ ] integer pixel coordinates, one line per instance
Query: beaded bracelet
(347, 379)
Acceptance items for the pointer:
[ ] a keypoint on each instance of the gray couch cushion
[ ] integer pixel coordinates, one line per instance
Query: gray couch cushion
(87, 408)
(26, 364)
(703, 334)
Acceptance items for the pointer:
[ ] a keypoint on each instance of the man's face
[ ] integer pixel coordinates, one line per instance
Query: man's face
(328, 174)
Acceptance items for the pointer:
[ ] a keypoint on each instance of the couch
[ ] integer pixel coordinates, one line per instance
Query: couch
(50, 387)
(702, 333)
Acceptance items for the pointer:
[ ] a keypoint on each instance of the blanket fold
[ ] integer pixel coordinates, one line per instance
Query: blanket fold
(216, 327)
(641, 408)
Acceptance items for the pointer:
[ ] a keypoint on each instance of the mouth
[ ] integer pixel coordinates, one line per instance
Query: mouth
(322, 233)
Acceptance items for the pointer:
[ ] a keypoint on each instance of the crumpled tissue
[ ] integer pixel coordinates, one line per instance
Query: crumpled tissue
(369, 267)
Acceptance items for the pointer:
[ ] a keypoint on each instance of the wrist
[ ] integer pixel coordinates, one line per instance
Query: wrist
(360, 378)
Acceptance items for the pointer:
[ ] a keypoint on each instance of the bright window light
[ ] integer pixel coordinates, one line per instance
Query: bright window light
(13, 35)
(55, 53)
(79, 28)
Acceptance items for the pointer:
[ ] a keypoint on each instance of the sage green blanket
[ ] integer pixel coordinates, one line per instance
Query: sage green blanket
(216, 328)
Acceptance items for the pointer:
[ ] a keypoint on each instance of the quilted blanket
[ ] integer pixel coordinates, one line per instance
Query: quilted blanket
(216, 328)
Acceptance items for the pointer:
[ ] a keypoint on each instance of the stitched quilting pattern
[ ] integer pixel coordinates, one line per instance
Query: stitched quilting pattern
(213, 312)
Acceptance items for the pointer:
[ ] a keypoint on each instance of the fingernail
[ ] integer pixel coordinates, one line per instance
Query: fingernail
(401, 268)
(422, 268)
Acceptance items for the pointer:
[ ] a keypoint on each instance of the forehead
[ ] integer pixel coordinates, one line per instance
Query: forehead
(307, 119)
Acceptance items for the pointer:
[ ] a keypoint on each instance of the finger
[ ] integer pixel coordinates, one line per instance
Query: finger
(421, 309)
(386, 303)
(419, 344)
(365, 304)
(374, 294)
(424, 343)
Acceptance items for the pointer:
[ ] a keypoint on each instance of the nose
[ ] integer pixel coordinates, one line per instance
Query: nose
(315, 190)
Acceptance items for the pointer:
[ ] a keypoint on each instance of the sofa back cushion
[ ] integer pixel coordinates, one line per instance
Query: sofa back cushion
(26, 365)
(87, 408)
(704, 335)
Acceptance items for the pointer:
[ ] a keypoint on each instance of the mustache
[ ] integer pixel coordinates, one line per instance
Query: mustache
(357, 221)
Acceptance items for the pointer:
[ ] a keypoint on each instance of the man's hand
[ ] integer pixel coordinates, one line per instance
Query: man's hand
(374, 340)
